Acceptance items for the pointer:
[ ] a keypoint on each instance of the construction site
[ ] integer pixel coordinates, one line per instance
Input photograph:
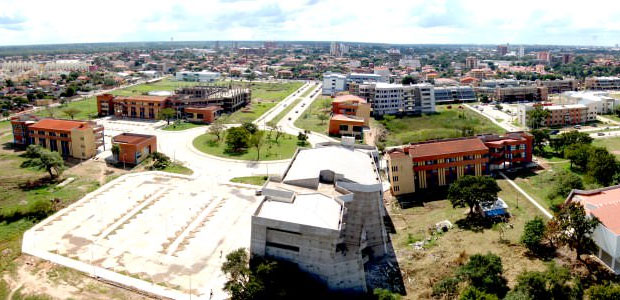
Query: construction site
(156, 232)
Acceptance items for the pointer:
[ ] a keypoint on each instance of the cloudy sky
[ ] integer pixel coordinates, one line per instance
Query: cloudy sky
(562, 22)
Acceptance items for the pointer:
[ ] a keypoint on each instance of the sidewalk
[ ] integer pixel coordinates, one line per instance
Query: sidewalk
(528, 197)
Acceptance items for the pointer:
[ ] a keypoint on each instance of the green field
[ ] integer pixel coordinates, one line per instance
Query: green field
(174, 126)
(254, 180)
(284, 149)
(87, 110)
(264, 97)
(446, 123)
(178, 169)
(612, 144)
(309, 119)
(162, 85)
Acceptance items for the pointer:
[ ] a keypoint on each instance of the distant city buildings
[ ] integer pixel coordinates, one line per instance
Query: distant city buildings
(471, 62)
(325, 214)
(202, 76)
(435, 163)
(502, 50)
(602, 83)
(543, 56)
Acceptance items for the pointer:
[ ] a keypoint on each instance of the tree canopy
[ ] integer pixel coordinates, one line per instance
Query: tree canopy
(473, 190)
(571, 227)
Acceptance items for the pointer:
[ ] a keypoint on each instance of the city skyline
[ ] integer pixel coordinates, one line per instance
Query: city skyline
(422, 22)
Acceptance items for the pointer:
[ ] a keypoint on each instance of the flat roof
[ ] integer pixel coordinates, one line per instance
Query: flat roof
(206, 108)
(341, 117)
(131, 138)
(347, 98)
(143, 98)
(446, 147)
(314, 209)
(603, 203)
(354, 164)
(56, 124)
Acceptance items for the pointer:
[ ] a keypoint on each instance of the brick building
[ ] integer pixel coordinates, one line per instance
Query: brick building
(142, 107)
(134, 148)
(71, 138)
(436, 163)
(559, 115)
(350, 114)
(205, 115)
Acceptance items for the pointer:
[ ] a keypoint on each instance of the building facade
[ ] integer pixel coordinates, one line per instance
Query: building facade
(334, 83)
(134, 148)
(559, 115)
(393, 99)
(350, 115)
(602, 83)
(325, 214)
(70, 138)
(140, 107)
(420, 166)
(454, 94)
(558, 86)
(206, 115)
(202, 76)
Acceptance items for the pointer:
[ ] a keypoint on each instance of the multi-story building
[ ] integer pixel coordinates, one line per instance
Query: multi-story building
(597, 102)
(334, 83)
(71, 138)
(518, 93)
(142, 107)
(543, 56)
(325, 214)
(560, 115)
(133, 147)
(454, 94)
(435, 163)
(391, 99)
(502, 50)
(471, 62)
(350, 115)
(362, 77)
(202, 76)
(602, 83)
(558, 86)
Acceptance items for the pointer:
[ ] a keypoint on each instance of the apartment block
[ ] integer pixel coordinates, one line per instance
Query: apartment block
(325, 214)
(334, 83)
(142, 107)
(392, 99)
(134, 148)
(558, 86)
(602, 83)
(71, 138)
(350, 115)
(202, 76)
(229, 98)
(454, 94)
(471, 62)
(598, 102)
(436, 163)
(560, 115)
(514, 94)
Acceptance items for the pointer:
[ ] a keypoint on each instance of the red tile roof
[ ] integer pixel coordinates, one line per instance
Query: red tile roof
(341, 117)
(55, 124)
(603, 203)
(349, 98)
(131, 138)
(143, 98)
(446, 147)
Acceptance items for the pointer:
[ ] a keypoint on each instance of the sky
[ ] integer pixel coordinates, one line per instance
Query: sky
(548, 22)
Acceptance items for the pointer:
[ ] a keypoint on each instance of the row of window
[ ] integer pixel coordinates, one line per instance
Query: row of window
(51, 133)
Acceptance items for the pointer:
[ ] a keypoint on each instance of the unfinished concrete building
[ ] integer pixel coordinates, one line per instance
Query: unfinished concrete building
(325, 213)
(229, 98)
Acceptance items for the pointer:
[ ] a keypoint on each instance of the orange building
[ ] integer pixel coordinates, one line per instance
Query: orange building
(206, 114)
(134, 148)
(79, 139)
(143, 107)
(350, 114)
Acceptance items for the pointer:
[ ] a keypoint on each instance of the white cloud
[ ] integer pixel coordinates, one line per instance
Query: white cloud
(407, 21)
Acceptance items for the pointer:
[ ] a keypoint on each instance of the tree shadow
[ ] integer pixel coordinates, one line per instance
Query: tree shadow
(544, 252)
(418, 198)
(477, 223)
(39, 183)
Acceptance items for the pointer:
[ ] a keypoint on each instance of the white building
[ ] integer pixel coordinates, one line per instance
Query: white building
(410, 62)
(392, 99)
(598, 102)
(334, 83)
(560, 115)
(603, 203)
(364, 77)
(202, 76)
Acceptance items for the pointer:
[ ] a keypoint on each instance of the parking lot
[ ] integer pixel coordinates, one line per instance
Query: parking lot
(171, 232)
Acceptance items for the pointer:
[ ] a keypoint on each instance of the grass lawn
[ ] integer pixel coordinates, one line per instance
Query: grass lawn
(162, 85)
(612, 117)
(309, 119)
(285, 148)
(446, 123)
(285, 111)
(264, 97)
(174, 126)
(422, 268)
(178, 169)
(255, 180)
(87, 108)
(612, 144)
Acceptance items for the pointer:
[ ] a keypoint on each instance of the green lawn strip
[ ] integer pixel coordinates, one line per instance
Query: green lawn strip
(612, 144)
(283, 149)
(309, 118)
(445, 123)
(285, 111)
(87, 110)
(174, 126)
(254, 180)
(178, 169)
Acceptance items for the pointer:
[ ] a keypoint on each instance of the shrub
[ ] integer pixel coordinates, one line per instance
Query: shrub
(533, 233)
(446, 288)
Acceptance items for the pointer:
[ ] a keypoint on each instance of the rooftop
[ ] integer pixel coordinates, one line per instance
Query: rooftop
(314, 209)
(603, 203)
(131, 138)
(143, 98)
(349, 98)
(446, 147)
(342, 117)
(354, 164)
(58, 124)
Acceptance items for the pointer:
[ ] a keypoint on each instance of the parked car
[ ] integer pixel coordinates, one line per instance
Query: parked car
(601, 134)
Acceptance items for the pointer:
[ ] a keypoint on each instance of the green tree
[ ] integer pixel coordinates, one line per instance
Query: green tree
(167, 114)
(533, 233)
(537, 116)
(71, 112)
(553, 283)
(217, 130)
(250, 127)
(44, 159)
(407, 80)
(617, 110)
(322, 116)
(484, 272)
(578, 155)
(571, 227)
(302, 138)
(257, 141)
(472, 293)
(604, 292)
(602, 166)
(237, 270)
(160, 160)
(447, 288)
(237, 139)
(564, 182)
(384, 294)
(116, 150)
(473, 190)
(540, 137)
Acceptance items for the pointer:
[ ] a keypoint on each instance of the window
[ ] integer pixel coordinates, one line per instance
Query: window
(344, 127)
(394, 168)
(395, 178)
(52, 133)
(282, 246)
(41, 132)
(396, 188)
(64, 135)
(42, 142)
